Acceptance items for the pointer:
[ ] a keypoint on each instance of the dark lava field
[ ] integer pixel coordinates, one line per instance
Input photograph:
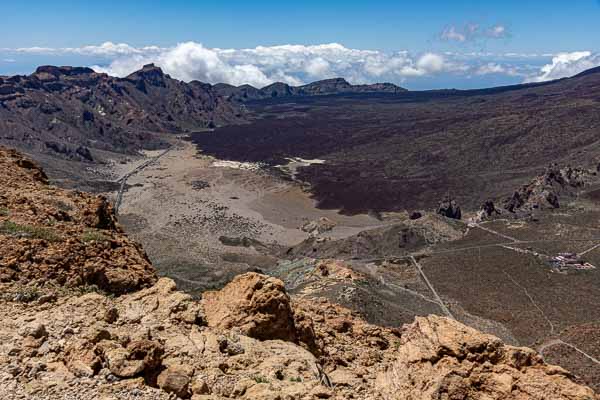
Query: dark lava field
(390, 152)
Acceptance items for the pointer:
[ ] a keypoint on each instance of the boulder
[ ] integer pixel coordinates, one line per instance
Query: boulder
(176, 380)
(255, 304)
(415, 215)
(140, 356)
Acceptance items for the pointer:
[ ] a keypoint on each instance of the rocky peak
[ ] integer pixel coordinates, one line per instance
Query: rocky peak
(439, 358)
(60, 71)
(326, 86)
(151, 74)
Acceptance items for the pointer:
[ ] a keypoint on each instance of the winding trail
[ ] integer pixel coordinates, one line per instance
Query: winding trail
(409, 291)
(532, 301)
(512, 239)
(556, 342)
(437, 296)
(136, 170)
(588, 250)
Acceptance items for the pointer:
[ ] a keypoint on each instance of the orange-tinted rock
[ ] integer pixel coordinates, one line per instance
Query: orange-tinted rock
(255, 304)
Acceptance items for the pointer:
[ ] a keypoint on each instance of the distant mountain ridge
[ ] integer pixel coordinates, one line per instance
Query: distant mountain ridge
(279, 89)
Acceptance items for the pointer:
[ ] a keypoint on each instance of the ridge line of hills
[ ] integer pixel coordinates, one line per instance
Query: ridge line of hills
(70, 118)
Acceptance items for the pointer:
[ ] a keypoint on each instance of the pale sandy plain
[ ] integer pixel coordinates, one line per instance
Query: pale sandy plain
(179, 206)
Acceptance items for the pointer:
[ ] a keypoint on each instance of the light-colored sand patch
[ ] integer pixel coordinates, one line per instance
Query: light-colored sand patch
(291, 168)
(292, 207)
(236, 165)
(305, 161)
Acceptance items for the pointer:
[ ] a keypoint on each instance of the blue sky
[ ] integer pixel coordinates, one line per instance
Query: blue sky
(485, 30)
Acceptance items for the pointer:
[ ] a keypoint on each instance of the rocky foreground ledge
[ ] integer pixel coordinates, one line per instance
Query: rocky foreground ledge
(83, 316)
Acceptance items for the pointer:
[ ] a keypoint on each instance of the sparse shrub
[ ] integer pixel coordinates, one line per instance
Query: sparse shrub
(34, 232)
(27, 295)
(61, 205)
(85, 289)
(295, 379)
(260, 379)
(4, 212)
(93, 236)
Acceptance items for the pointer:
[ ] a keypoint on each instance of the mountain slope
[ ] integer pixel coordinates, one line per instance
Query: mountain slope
(66, 111)
(324, 87)
(409, 150)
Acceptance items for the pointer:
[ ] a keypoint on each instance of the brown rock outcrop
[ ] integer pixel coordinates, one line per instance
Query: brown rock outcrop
(255, 304)
(442, 359)
(65, 236)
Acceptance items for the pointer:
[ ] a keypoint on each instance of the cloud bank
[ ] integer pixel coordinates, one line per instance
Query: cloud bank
(299, 64)
(564, 65)
(293, 64)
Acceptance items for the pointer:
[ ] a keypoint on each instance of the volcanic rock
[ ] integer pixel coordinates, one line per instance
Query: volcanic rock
(546, 190)
(255, 304)
(449, 208)
(316, 227)
(152, 341)
(439, 358)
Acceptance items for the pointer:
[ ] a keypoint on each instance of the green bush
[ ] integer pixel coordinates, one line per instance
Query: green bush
(4, 212)
(94, 236)
(34, 232)
(260, 379)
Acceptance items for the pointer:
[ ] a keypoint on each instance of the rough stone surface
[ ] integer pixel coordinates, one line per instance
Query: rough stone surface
(442, 359)
(68, 237)
(258, 306)
(547, 190)
(248, 341)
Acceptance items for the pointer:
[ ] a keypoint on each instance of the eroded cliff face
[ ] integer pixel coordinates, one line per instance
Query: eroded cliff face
(84, 316)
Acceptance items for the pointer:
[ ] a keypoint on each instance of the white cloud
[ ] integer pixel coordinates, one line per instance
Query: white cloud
(490, 68)
(36, 50)
(318, 67)
(565, 65)
(451, 33)
(106, 49)
(497, 31)
(431, 62)
(473, 32)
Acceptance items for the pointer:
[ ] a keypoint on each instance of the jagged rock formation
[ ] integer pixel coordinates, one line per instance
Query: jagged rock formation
(259, 308)
(63, 338)
(66, 111)
(449, 208)
(546, 190)
(488, 211)
(324, 87)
